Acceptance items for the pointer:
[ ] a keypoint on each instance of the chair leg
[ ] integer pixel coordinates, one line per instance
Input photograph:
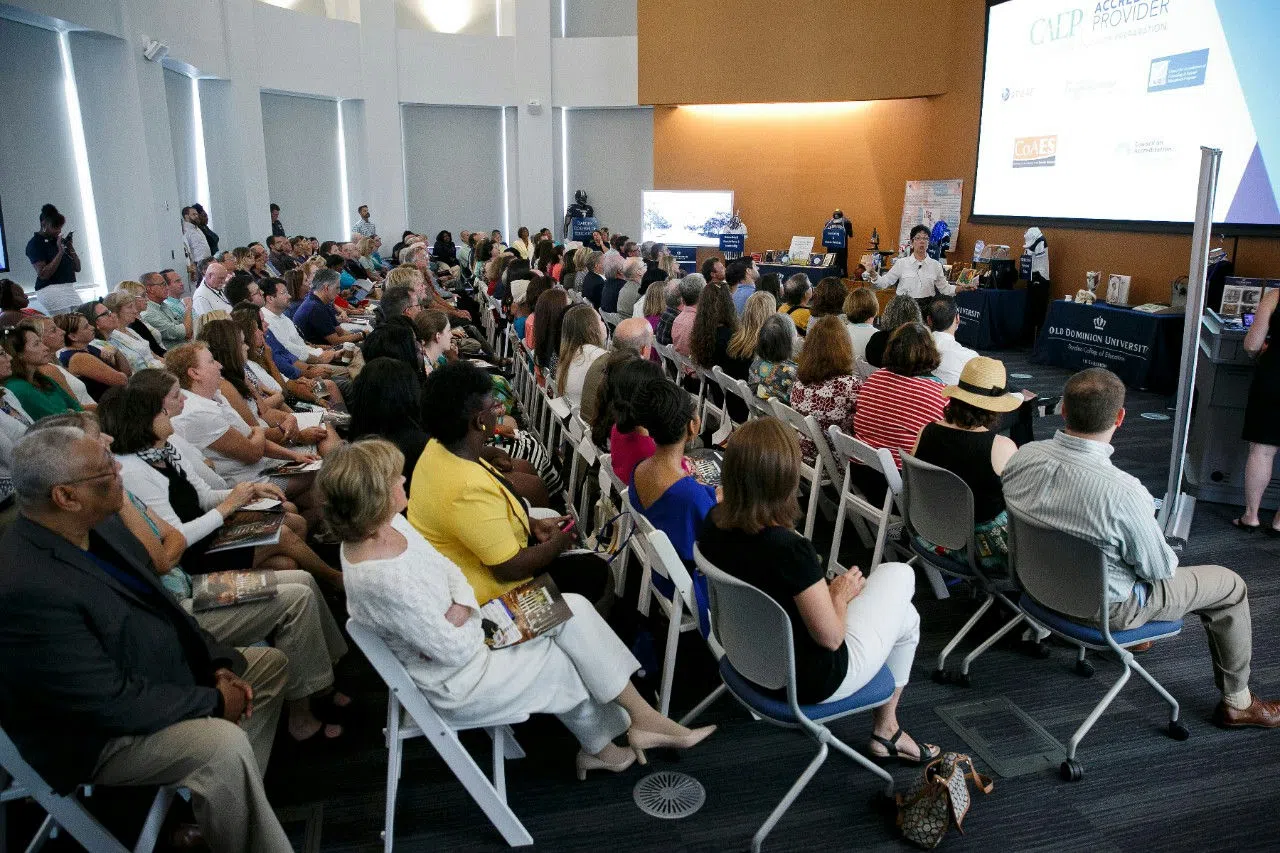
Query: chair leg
(815, 488)
(706, 703)
(1095, 714)
(43, 834)
(1157, 687)
(780, 809)
(513, 750)
(478, 785)
(989, 642)
(499, 763)
(395, 752)
(155, 820)
(936, 583)
(675, 616)
(960, 635)
(866, 763)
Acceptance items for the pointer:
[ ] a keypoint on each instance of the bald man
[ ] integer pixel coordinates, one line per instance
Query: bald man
(209, 296)
(632, 337)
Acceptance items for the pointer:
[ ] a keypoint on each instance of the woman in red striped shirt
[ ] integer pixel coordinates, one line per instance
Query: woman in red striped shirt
(896, 401)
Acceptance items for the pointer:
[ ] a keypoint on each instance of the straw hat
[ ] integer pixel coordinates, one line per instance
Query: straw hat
(983, 384)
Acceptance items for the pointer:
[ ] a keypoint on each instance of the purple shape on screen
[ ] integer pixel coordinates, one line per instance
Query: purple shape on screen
(1254, 201)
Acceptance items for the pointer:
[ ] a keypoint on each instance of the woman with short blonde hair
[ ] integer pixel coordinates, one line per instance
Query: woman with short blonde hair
(759, 307)
(403, 588)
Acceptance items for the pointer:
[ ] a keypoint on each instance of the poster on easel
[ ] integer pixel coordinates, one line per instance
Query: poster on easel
(927, 202)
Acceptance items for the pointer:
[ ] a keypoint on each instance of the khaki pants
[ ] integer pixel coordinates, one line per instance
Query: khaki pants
(221, 763)
(1221, 600)
(297, 622)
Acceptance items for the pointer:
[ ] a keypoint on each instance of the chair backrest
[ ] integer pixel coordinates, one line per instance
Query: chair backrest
(936, 504)
(752, 628)
(1061, 571)
(880, 459)
(790, 416)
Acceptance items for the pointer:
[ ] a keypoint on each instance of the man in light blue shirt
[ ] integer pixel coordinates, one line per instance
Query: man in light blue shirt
(1068, 483)
(741, 278)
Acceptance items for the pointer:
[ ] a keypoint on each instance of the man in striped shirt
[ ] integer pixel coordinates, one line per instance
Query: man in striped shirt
(1068, 483)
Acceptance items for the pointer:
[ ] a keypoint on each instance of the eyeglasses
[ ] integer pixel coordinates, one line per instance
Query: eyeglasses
(88, 479)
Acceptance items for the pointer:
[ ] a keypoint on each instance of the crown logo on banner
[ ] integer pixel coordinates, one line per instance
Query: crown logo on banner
(1099, 323)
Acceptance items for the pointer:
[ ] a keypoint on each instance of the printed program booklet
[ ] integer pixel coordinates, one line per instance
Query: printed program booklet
(223, 589)
(285, 469)
(245, 529)
(523, 613)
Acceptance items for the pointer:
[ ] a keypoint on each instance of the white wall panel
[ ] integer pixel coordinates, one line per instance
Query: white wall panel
(301, 138)
(444, 69)
(594, 72)
(453, 168)
(611, 157)
(307, 54)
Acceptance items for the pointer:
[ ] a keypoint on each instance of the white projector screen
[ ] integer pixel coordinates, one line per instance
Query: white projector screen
(1096, 110)
(685, 217)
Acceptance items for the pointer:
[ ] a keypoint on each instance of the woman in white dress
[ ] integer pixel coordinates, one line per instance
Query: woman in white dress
(422, 606)
(131, 345)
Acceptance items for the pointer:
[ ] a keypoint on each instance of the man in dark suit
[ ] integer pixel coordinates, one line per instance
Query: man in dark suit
(103, 677)
(593, 281)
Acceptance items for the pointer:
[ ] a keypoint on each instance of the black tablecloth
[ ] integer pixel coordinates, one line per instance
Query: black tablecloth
(816, 274)
(1142, 349)
(991, 319)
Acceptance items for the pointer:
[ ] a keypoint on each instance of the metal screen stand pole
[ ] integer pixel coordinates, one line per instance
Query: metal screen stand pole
(1178, 507)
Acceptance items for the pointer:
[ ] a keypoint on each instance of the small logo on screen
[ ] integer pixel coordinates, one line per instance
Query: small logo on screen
(1099, 323)
(1035, 151)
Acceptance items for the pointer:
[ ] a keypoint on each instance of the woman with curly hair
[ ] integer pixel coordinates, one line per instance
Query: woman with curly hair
(825, 386)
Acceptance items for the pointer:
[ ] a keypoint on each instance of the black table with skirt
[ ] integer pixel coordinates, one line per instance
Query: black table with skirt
(991, 319)
(816, 274)
(1142, 349)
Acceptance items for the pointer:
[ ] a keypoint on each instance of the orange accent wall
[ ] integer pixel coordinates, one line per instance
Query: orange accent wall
(788, 173)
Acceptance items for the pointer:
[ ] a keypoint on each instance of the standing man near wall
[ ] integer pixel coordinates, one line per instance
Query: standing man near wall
(365, 227)
(277, 227)
(194, 240)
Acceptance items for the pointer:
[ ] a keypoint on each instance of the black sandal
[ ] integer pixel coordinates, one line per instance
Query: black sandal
(928, 751)
(1247, 528)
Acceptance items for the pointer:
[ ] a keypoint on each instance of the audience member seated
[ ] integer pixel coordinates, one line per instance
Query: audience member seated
(126, 341)
(691, 287)
(944, 319)
(582, 338)
(844, 631)
(771, 283)
(773, 371)
(525, 310)
(633, 336)
(963, 443)
(741, 284)
(209, 296)
(617, 424)
(241, 288)
(260, 362)
(673, 300)
(255, 404)
(549, 310)
(316, 319)
(1069, 483)
(900, 311)
(896, 401)
(172, 322)
(714, 326)
(464, 507)
(103, 677)
(860, 309)
(593, 283)
(81, 356)
(105, 324)
(825, 384)
(652, 305)
(828, 299)
(613, 283)
(239, 452)
(423, 607)
(14, 305)
(796, 293)
(14, 422)
(38, 395)
(633, 271)
(746, 338)
(138, 324)
(662, 487)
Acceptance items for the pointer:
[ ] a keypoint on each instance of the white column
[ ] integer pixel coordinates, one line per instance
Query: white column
(536, 204)
(383, 149)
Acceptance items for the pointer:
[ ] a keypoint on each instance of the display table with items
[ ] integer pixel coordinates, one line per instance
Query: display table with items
(990, 318)
(1141, 348)
(816, 274)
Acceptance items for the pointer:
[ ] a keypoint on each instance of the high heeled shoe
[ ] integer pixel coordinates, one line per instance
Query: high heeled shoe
(587, 762)
(640, 740)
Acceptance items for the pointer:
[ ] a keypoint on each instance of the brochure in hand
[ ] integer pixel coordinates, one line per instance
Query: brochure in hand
(523, 613)
(246, 529)
(285, 469)
(223, 589)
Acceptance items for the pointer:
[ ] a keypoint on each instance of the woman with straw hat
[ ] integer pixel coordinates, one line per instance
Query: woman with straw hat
(964, 444)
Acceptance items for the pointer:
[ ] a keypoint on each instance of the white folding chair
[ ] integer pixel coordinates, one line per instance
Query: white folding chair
(738, 389)
(404, 698)
(613, 492)
(65, 811)
(823, 468)
(670, 363)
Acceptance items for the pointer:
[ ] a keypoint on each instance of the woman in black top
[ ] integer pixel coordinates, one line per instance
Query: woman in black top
(713, 328)
(964, 444)
(387, 402)
(900, 311)
(843, 632)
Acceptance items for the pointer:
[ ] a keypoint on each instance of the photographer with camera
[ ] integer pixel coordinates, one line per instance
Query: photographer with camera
(56, 262)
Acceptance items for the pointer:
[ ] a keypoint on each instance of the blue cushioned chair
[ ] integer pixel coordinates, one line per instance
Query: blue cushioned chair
(759, 653)
(1064, 588)
(937, 506)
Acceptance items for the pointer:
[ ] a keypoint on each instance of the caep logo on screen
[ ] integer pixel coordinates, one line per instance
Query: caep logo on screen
(1062, 25)
(1107, 14)
(1035, 151)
